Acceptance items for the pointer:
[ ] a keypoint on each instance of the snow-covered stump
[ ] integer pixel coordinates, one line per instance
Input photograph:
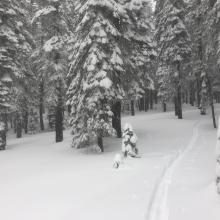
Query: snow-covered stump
(218, 159)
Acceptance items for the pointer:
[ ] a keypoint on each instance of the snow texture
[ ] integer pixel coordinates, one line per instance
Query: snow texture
(175, 176)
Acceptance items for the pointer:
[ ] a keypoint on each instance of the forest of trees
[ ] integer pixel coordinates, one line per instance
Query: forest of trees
(78, 60)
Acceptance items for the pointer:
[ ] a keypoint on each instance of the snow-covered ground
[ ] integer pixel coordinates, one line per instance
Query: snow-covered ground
(174, 178)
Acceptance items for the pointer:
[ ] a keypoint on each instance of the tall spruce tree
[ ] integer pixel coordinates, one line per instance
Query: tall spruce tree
(15, 46)
(97, 69)
(173, 43)
(50, 56)
(140, 34)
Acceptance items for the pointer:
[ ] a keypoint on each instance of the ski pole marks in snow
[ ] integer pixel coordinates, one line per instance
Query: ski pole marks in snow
(158, 209)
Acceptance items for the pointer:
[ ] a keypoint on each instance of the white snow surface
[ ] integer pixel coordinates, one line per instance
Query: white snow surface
(173, 179)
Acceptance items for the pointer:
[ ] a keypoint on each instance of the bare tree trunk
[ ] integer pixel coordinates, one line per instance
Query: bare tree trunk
(191, 94)
(59, 114)
(151, 99)
(41, 104)
(2, 133)
(26, 122)
(18, 125)
(175, 106)
(132, 108)
(164, 107)
(211, 101)
(116, 119)
(155, 97)
(198, 92)
(146, 98)
(100, 143)
(179, 102)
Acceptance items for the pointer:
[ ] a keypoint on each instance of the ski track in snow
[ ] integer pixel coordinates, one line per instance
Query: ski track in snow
(157, 208)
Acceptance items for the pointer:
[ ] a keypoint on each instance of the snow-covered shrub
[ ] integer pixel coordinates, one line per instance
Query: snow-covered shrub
(129, 141)
(218, 158)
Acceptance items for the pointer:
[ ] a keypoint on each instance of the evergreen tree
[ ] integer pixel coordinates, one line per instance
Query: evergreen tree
(140, 34)
(97, 69)
(173, 43)
(14, 49)
(50, 56)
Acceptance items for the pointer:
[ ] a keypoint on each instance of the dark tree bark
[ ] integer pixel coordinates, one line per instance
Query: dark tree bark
(142, 101)
(59, 114)
(198, 89)
(100, 143)
(41, 105)
(146, 100)
(164, 107)
(26, 122)
(18, 125)
(2, 133)
(191, 94)
(151, 99)
(175, 106)
(155, 97)
(179, 102)
(132, 108)
(116, 119)
(15, 124)
(179, 94)
(211, 101)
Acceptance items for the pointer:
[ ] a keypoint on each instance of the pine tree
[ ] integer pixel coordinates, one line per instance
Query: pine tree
(140, 33)
(50, 56)
(173, 43)
(14, 48)
(97, 69)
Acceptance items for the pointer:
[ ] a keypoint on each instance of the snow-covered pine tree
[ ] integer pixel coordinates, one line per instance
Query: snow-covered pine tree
(173, 42)
(195, 21)
(97, 69)
(208, 39)
(51, 20)
(165, 85)
(140, 33)
(15, 45)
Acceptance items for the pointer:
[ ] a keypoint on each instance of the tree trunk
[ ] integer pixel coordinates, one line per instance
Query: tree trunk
(142, 104)
(132, 108)
(198, 92)
(59, 114)
(2, 133)
(146, 98)
(116, 119)
(26, 122)
(155, 97)
(213, 115)
(191, 94)
(151, 99)
(211, 102)
(164, 107)
(179, 102)
(18, 125)
(41, 105)
(175, 106)
(100, 143)
(179, 94)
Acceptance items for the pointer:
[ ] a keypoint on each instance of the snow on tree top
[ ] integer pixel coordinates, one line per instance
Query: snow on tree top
(45, 11)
